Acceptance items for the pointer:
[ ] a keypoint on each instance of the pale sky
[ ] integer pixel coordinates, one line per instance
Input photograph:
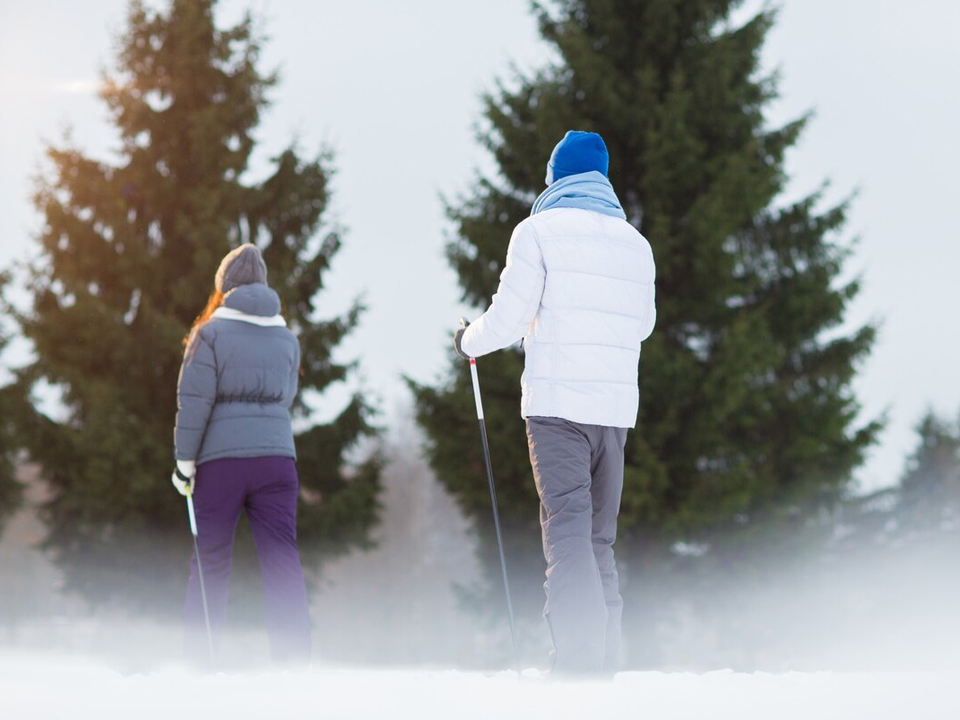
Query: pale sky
(393, 88)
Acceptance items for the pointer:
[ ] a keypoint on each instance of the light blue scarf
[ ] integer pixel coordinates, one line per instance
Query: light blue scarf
(587, 191)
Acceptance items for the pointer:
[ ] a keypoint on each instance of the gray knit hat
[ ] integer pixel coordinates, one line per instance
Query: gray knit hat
(243, 266)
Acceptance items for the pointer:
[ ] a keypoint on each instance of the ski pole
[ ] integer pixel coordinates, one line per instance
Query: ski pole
(493, 501)
(203, 590)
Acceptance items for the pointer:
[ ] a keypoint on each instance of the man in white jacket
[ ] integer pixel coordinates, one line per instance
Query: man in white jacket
(578, 288)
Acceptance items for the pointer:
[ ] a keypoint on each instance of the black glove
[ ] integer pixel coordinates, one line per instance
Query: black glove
(458, 338)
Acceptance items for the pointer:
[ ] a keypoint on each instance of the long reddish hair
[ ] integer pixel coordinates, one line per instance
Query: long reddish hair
(215, 301)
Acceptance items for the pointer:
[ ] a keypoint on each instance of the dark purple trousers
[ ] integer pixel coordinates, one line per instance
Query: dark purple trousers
(267, 488)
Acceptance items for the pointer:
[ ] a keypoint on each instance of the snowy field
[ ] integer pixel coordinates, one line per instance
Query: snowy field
(34, 686)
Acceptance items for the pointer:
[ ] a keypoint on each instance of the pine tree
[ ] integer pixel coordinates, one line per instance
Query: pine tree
(10, 489)
(924, 504)
(127, 257)
(929, 492)
(746, 407)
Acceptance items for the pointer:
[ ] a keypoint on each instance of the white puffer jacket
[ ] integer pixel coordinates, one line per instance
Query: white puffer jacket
(578, 287)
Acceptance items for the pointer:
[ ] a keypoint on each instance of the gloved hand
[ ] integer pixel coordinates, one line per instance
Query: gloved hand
(183, 476)
(458, 338)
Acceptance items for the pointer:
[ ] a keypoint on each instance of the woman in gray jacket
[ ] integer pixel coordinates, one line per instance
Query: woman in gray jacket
(234, 445)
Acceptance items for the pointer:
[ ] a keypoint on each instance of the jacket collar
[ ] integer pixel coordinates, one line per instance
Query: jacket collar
(226, 313)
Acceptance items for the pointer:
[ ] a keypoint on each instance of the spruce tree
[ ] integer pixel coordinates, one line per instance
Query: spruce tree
(126, 260)
(925, 503)
(10, 490)
(746, 408)
(929, 492)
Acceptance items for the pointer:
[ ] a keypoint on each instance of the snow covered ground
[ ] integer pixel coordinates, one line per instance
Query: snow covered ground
(39, 686)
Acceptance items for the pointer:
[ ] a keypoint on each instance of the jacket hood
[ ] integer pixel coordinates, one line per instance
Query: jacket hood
(256, 299)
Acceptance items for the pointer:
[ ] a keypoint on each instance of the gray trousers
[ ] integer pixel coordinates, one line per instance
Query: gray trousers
(578, 470)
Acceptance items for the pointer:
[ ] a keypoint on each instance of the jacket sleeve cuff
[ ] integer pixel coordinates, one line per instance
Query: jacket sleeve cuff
(466, 339)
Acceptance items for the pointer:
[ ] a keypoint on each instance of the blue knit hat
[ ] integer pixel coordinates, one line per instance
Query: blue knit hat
(578, 152)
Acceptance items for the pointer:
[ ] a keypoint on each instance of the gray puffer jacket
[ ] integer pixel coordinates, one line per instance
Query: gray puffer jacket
(238, 381)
